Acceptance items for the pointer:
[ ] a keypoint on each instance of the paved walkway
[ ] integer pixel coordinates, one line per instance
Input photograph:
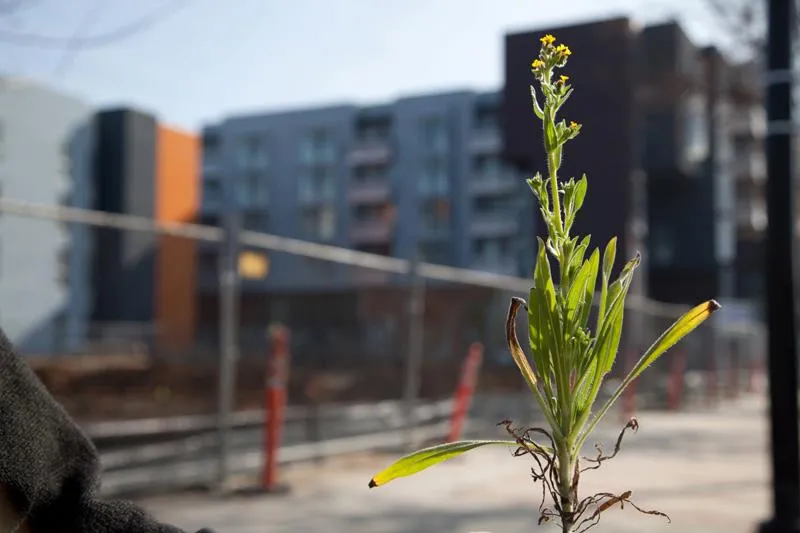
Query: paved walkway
(709, 471)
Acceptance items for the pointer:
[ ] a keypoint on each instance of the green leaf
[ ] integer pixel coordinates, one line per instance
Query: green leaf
(609, 255)
(679, 329)
(580, 193)
(576, 298)
(591, 283)
(536, 108)
(427, 457)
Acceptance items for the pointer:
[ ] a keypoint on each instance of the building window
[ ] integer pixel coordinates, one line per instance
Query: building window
(493, 206)
(486, 120)
(252, 153)
(209, 220)
(212, 192)
(434, 134)
(317, 148)
(434, 179)
(492, 251)
(367, 174)
(662, 246)
(487, 167)
(435, 215)
(62, 266)
(435, 253)
(253, 189)
(255, 220)
(320, 223)
(317, 184)
(696, 130)
(368, 214)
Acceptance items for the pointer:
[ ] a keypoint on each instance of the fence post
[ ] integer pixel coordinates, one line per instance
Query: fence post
(629, 395)
(277, 376)
(712, 379)
(229, 343)
(733, 370)
(416, 312)
(677, 373)
(465, 390)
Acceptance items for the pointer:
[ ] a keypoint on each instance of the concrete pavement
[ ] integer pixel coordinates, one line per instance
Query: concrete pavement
(708, 470)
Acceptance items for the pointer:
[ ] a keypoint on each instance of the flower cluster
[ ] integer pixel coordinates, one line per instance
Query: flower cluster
(550, 56)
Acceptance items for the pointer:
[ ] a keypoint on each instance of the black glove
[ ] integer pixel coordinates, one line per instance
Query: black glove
(48, 467)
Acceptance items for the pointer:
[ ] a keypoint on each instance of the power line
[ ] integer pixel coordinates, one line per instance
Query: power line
(69, 54)
(120, 33)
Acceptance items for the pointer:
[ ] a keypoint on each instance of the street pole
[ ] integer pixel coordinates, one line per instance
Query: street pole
(416, 312)
(229, 345)
(780, 308)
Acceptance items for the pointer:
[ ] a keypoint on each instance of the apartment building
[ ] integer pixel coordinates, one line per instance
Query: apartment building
(419, 177)
(747, 127)
(45, 157)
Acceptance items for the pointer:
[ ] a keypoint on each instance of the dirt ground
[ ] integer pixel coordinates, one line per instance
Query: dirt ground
(109, 387)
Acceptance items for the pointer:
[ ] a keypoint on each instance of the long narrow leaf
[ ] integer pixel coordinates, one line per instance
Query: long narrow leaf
(522, 361)
(428, 457)
(588, 291)
(679, 329)
(609, 255)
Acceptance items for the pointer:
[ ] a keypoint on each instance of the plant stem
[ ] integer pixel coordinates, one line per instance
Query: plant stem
(565, 471)
(552, 167)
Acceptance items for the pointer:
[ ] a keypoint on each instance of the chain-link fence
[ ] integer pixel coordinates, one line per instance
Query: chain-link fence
(125, 319)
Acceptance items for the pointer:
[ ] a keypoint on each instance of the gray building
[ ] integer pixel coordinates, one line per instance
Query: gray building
(422, 175)
(45, 157)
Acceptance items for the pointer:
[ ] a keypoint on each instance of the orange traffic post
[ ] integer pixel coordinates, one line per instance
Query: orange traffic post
(676, 377)
(465, 390)
(277, 376)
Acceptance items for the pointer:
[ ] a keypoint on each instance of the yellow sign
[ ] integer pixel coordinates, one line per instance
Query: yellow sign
(253, 265)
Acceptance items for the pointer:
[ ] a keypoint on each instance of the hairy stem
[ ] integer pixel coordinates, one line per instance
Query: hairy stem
(565, 492)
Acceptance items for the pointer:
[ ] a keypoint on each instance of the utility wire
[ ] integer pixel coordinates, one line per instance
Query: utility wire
(120, 33)
(85, 25)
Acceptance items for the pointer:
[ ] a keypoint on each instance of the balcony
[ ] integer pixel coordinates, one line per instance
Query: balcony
(375, 231)
(493, 225)
(486, 141)
(750, 166)
(492, 184)
(370, 152)
(367, 192)
(506, 266)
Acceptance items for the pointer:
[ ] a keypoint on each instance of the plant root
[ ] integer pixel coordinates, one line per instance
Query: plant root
(546, 471)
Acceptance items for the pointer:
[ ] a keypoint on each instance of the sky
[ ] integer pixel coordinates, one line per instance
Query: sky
(204, 59)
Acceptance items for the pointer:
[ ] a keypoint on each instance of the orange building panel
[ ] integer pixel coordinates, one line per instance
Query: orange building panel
(177, 191)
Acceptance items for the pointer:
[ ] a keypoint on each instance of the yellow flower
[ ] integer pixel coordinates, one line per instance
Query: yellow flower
(574, 125)
(548, 40)
(537, 64)
(563, 50)
(563, 79)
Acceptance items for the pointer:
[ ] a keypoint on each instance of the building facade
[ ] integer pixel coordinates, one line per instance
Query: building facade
(420, 177)
(141, 281)
(46, 142)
